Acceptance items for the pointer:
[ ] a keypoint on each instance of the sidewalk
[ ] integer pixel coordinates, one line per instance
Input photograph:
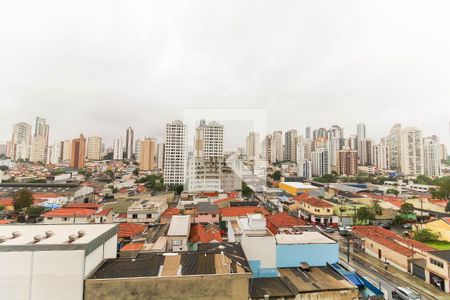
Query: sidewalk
(423, 286)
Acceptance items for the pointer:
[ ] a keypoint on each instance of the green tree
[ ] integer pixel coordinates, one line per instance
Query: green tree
(327, 178)
(393, 192)
(364, 214)
(136, 172)
(406, 209)
(22, 199)
(154, 182)
(246, 190)
(2, 207)
(423, 179)
(35, 210)
(426, 235)
(443, 192)
(276, 175)
(4, 168)
(377, 208)
(178, 189)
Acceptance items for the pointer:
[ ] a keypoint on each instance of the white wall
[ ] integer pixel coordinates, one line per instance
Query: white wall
(15, 275)
(260, 248)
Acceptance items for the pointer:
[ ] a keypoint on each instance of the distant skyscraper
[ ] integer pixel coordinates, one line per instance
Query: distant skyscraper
(160, 156)
(3, 149)
(118, 149)
(347, 162)
(305, 168)
(42, 129)
(411, 151)
(78, 152)
(94, 148)
(268, 148)
(365, 151)
(148, 155)
(308, 133)
(277, 146)
(380, 155)
(21, 141)
(137, 149)
(361, 131)
(394, 147)
(55, 154)
(320, 162)
(208, 140)
(66, 150)
(443, 154)
(290, 142)
(175, 153)
(129, 140)
(252, 146)
(353, 142)
(39, 142)
(431, 155)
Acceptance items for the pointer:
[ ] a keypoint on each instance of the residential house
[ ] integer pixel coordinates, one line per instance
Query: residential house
(146, 211)
(439, 226)
(438, 269)
(316, 211)
(178, 234)
(207, 213)
(282, 222)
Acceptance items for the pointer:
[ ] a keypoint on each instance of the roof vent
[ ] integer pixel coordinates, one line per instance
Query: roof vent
(16, 234)
(72, 238)
(37, 238)
(48, 234)
(81, 233)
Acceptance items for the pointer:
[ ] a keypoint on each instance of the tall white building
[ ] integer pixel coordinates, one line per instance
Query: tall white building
(38, 149)
(443, 152)
(175, 153)
(352, 142)
(305, 168)
(208, 140)
(379, 156)
(277, 146)
(394, 147)
(55, 154)
(252, 146)
(94, 148)
(361, 131)
(21, 141)
(137, 149)
(42, 129)
(411, 162)
(320, 162)
(203, 174)
(365, 151)
(118, 148)
(129, 143)
(431, 156)
(335, 144)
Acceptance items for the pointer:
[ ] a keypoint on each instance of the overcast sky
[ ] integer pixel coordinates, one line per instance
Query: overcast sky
(97, 67)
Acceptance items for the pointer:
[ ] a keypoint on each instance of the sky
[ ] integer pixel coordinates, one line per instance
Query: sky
(97, 67)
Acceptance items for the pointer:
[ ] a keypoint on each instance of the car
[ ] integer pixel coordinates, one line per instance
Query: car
(344, 232)
(385, 225)
(348, 228)
(407, 226)
(329, 230)
(404, 294)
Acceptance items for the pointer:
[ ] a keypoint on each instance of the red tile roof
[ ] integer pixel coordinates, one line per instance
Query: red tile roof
(391, 240)
(313, 201)
(6, 221)
(132, 247)
(241, 211)
(70, 212)
(282, 220)
(104, 212)
(128, 230)
(204, 234)
(83, 205)
(6, 201)
(171, 212)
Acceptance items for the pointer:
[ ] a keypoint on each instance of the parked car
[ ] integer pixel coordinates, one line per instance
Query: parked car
(386, 225)
(348, 228)
(329, 230)
(344, 232)
(407, 226)
(404, 294)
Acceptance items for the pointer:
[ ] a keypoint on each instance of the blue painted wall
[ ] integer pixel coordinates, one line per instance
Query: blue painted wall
(314, 254)
(259, 272)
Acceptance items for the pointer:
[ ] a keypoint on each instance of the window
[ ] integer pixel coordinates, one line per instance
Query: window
(149, 216)
(134, 216)
(65, 219)
(213, 215)
(436, 262)
(176, 243)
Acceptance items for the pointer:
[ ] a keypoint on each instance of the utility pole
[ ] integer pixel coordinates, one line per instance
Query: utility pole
(348, 248)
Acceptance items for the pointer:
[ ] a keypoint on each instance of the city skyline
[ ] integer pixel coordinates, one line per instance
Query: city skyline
(121, 73)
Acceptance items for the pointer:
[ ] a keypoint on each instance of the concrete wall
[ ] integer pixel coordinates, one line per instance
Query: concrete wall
(350, 294)
(260, 248)
(313, 254)
(199, 287)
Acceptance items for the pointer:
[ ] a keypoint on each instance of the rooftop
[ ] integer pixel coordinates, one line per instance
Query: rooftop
(277, 287)
(241, 211)
(128, 230)
(206, 207)
(300, 185)
(70, 212)
(179, 226)
(306, 237)
(46, 236)
(444, 254)
(171, 264)
(316, 279)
